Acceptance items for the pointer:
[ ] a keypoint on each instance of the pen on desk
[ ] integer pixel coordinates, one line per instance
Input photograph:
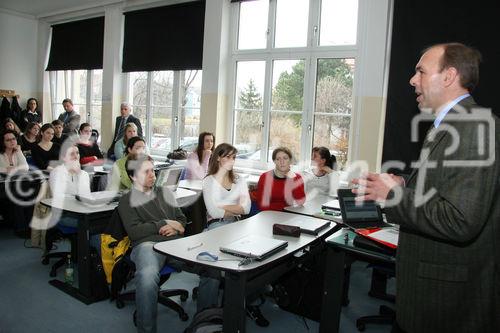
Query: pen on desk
(194, 246)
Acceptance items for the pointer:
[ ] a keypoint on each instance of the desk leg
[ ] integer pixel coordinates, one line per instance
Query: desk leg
(234, 303)
(332, 292)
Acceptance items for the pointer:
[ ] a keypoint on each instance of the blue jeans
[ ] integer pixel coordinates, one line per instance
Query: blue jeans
(148, 264)
(208, 289)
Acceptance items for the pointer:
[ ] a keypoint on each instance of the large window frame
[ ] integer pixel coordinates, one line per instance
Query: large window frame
(92, 104)
(310, 54)
(176, 138)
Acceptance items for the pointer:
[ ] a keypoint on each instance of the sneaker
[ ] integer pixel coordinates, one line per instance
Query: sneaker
(254, 313)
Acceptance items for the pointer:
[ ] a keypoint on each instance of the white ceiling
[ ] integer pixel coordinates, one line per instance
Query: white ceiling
(40, 8)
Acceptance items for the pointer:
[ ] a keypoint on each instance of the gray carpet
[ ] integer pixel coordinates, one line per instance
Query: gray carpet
(29, 304)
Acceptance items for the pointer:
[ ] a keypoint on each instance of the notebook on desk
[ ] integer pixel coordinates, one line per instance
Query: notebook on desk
(254, 247)
(309, 226)
(359, 215)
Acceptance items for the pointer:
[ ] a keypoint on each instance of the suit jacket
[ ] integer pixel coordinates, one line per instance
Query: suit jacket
(130, 119)
(72, 122)
(448, 257)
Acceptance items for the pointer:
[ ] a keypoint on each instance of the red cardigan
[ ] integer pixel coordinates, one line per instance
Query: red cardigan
(275, 193)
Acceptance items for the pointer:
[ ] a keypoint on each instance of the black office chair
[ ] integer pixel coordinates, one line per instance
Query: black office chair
(56, 233)
(386, 315)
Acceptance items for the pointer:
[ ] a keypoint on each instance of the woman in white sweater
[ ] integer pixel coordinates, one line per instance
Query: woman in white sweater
(11, 156)
(225, 194)
(322, 177)
(226, 198)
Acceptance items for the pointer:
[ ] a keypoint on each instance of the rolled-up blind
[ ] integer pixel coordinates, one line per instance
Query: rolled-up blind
(164, 38)
(77, 45)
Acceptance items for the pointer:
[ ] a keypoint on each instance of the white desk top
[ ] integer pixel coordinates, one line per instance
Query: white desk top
(191, 184)
(261, 224)
(70, 204)
(312, 207)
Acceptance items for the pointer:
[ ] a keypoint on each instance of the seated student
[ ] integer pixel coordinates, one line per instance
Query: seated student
(226, 198)
(321, 176)
(31, 114)
(119, 177)
(11, 156)
(197, 161)
(10, 124)
(90, 154)
(46, 151)
(280, 187)
(59, 137)
(149, 214)
(29, 138)
(129, 132)
(70, 118)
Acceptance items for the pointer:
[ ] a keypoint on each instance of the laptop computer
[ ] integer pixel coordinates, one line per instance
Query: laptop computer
(99, 198)
(359, 215)
(309, 226)
(254, 247)
(170, 178)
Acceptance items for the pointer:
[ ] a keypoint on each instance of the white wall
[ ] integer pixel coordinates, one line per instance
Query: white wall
(18, 55)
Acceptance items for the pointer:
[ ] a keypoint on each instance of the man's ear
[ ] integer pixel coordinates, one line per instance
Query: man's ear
(451, 76)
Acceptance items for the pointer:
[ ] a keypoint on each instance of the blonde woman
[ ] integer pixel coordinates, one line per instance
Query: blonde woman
(129, 132)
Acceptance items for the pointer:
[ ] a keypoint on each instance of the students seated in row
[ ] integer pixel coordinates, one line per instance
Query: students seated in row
(90, 154)
(10, 124)
(11, 156)
(29, 138)
(197, 161)
(149, 214)
(46, 152)
(30, 114)
(321, 177)
(59, 137)
(119, 177)
(120, 145)
(280, 187)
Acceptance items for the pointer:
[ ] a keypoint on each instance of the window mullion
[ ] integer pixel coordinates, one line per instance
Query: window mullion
(176, 109)
(149, 100)
(271, 25)
(266, 109)
(88, 98)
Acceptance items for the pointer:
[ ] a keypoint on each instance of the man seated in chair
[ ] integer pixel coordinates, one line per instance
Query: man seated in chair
(149, 214)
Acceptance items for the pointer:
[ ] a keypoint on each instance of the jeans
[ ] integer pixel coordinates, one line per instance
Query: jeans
(208, 288)
(148, 264)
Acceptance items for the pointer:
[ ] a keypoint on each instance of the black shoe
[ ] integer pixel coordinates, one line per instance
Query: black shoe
(254, 313)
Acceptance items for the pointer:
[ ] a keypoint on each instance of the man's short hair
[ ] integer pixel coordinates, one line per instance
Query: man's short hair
(125, 105)
(67, 100)
(57, 122)
(134, 162)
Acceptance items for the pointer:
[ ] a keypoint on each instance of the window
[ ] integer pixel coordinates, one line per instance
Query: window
(168, 105)
(84, 88)
(294, 69)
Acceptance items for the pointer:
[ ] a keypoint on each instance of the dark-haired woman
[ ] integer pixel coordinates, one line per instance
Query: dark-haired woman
(119, 178)
(29, 138)
(197, 161)
(30, 114)
(11, 156)
(322, 176)
(90, 154)
(45, 151)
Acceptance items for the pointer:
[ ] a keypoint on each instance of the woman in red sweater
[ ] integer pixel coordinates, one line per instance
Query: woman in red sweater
(280, 187)
(90, 154)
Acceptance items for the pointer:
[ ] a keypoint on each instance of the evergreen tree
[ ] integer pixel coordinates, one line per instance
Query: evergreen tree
(250, 98)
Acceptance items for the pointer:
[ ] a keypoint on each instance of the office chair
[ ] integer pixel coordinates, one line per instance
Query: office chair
(53, 234)
(386, 315)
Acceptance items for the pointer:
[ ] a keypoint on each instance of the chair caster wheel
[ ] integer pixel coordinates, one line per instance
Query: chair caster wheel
(361, 327)
(53, 273)
(184, 316)
(119, 304)
(45, 261)
(135, 318)
(184, 298)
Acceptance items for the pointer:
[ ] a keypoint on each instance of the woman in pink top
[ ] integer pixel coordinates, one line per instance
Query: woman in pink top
(197, 161)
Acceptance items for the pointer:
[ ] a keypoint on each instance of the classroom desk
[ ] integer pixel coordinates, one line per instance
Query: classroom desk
(312, 207)
(342, 251)
(241, 281)
(93, 220)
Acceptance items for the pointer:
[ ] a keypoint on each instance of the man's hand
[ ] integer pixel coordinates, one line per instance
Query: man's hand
(172, 228)
(376, 186)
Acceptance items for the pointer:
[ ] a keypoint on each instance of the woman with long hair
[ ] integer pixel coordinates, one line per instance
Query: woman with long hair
(11, 156)
(45, 151)
(29, 139)
(321, 176)
(10, 124)
(197, 161)
(31, 114)
(119, 178)
(120, 146)
(90, 154)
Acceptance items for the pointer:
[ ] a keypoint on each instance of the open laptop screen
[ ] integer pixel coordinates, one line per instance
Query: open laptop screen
(353, 210)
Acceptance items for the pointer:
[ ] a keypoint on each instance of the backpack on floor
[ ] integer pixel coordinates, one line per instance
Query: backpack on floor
(206, 321)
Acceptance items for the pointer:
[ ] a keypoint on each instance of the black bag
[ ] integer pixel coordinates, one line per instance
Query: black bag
(123, 272)
(178, 154)
(206, 321)
(300, 291)
(98, 285)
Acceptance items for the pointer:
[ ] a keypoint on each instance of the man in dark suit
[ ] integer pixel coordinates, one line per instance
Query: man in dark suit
(121, 121)
(448, 209)
(69, 117)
